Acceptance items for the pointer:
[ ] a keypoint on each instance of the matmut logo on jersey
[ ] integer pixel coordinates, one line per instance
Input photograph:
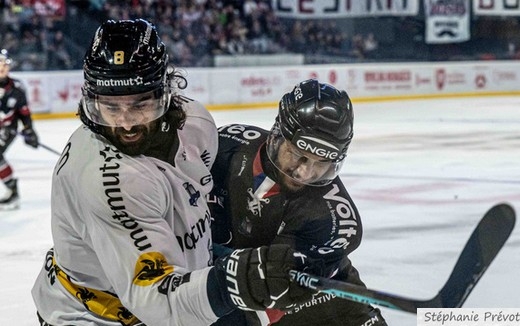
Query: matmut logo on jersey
(317, 147)
(120, 82)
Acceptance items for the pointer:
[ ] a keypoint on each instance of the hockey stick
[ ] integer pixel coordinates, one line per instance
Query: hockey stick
(49, 149)
(45, 146)
(484, 244)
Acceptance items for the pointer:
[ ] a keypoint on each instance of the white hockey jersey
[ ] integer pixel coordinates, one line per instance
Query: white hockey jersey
(127, 229)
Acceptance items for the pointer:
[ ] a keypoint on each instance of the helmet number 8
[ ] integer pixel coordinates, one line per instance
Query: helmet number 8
(119, 57)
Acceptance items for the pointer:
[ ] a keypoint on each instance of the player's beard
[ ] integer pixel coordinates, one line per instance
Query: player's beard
(135, 145)
(289, 184)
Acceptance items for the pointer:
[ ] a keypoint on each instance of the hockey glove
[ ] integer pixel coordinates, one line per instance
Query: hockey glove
(258, 279)
(30, 137)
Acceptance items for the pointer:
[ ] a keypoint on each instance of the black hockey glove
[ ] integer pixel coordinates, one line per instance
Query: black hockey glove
(30, 137)
(257, 279)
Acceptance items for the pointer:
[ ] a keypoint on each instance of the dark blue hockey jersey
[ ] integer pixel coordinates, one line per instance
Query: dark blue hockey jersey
(251, 209)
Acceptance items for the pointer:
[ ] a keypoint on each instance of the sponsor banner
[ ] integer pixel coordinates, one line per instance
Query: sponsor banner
(387, 80)
(52, 91)
(198, 85)
(468, 316)
(450, 78)
(37, 96)
(61, 91)
(459, 79)
(267, 85)
(496, 7)
(503, 76)
(318, 9)
(65, 91)
(447, 21)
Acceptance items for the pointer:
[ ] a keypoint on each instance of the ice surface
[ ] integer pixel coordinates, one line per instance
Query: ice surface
(421, 172)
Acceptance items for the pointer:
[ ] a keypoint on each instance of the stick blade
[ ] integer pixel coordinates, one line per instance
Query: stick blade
(481, 249)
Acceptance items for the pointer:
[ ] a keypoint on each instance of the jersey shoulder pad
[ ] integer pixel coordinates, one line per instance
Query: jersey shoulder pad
(194, 108)
(199, 132)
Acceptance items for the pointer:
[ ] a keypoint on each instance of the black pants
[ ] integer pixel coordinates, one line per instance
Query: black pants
(7, 136)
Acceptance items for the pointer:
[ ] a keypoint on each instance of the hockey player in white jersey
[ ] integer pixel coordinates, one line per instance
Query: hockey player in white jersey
(130, 225)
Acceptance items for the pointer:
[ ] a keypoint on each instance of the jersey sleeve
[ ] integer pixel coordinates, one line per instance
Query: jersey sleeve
(237, 146)
(328, 236)
(22, 105)
(324, 224)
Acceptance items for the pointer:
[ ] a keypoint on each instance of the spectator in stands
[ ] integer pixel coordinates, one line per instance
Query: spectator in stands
(183, 56)
(96, 5)
(236, 31)
(190, 13)
(251, 26)
(298, 38)
(371, 46)
(59, 57)
(218, 41)
(358, 46)
(10, 42)
(14, 110)
(199, 50)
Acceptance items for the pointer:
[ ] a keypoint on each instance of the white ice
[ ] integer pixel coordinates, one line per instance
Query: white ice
(422, 174)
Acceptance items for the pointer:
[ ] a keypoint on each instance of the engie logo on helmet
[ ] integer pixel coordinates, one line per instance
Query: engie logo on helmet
(316, 146)
(120, 82)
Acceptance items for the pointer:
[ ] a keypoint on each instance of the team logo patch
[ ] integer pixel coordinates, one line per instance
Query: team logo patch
(254, 203)
(150, 268)
(194, 193)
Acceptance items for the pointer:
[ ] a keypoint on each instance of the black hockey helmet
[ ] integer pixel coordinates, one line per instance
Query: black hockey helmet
(318, 119)
(4, 57)
(125, 57)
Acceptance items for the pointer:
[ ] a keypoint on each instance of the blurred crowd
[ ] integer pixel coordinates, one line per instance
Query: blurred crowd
(30, 31)
(194, 30)
(52, 34)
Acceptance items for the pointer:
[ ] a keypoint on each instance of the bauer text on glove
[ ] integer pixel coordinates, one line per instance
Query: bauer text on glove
(258, 279)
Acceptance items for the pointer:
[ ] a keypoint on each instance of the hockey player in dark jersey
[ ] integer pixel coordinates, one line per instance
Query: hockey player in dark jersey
(282, 186)
(13, 108)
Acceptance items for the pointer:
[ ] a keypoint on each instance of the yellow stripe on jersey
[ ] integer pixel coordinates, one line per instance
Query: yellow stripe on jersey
(101, 303)
(151, 267)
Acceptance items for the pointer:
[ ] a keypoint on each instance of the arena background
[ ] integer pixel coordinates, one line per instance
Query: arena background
(435, 90)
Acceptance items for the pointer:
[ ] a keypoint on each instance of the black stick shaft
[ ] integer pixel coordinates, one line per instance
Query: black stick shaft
(49, 149)
(482, 247)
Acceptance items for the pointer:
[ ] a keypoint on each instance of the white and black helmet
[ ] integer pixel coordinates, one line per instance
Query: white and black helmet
(4, 57)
